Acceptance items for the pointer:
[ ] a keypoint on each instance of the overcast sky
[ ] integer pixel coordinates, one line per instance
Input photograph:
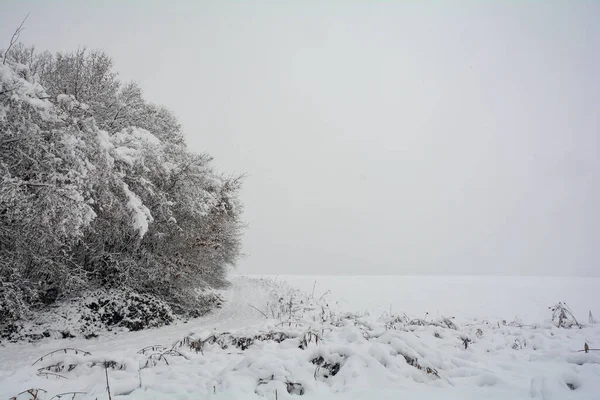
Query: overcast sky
(378, 136)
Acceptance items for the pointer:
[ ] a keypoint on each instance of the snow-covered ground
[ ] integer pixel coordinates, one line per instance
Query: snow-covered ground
(504, 297)
(483, 338)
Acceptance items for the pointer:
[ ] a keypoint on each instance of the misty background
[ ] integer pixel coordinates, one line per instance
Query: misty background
(378, 137)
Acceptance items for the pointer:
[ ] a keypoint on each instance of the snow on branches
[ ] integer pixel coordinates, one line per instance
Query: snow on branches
(98, 189)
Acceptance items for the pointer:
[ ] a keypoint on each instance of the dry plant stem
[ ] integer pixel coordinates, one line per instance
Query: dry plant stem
(47, 374)
(324, 294)
(107, 384)
(60, 395)
(65, 350)
(265, 315)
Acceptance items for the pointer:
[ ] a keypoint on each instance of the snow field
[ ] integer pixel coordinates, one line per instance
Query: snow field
(311, 348)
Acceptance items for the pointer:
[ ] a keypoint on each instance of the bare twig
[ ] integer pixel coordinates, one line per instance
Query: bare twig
(47, 374)
(33, 392)
(18, 85)
(156, 347)
(289, 323)
(61, 395)
(265, 315)
(14, 38)
(41, 184)
(8, 141)
(174, 353)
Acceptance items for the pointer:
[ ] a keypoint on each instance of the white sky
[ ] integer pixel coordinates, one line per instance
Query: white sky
(379, 136)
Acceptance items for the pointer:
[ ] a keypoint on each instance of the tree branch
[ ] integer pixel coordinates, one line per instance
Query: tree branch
(15, 37)
(37, 184)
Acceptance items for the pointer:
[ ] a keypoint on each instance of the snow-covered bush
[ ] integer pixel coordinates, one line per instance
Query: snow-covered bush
(95, 313)
(98, 190)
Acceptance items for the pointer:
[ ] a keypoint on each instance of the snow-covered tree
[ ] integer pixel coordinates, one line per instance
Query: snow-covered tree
(99, 189)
